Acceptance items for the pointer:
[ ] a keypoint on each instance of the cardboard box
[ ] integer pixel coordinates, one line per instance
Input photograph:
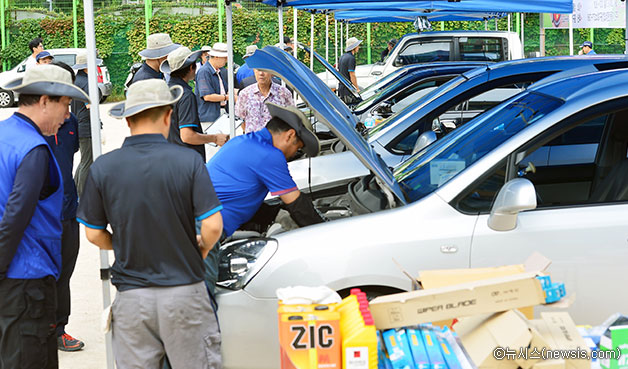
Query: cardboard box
(613, 340)
(550, 364)
(467, 299)
(481, 335)
(561, 335)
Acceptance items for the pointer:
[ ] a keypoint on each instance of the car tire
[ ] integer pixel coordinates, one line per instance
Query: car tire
(103, 99)
(6, 99)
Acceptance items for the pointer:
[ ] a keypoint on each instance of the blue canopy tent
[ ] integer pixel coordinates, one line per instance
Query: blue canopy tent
(386, 16)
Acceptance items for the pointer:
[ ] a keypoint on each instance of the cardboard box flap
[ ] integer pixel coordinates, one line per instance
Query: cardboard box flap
(536, 263)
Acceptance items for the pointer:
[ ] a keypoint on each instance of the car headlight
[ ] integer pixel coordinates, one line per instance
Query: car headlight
(240, 260)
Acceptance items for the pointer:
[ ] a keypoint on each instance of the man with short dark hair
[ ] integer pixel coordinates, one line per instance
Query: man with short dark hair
(185, 127)
(36, 46)
(251, 165)
(151, 192)
(346, 67)
(31, 200)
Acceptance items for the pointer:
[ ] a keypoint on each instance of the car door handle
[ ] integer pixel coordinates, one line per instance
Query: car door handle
(449, 249)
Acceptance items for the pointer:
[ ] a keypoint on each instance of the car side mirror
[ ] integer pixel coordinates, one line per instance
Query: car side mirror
(424, 140)
(21, 68)
(514, 197)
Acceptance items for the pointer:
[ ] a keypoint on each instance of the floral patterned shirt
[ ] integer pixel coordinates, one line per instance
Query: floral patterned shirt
(251, 105)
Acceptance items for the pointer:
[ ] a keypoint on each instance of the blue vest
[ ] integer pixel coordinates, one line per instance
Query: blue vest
(39, 252)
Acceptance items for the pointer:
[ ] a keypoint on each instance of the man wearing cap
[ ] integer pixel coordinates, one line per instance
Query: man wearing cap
(44, 57)
(31, 200)
(158, 46)
(81, 110)
(251, 104)
(251, 165)
(151, 192)
(211, 84)
(185, 126)
(389, 46)
(36, 46)
(245, 71)
(587, 48)
(346, 66)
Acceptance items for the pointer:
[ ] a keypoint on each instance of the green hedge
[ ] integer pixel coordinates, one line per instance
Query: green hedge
(120, 35)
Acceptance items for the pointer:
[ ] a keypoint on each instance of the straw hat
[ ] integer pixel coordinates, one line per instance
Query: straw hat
(219, 50)
(81, 61)
(299, 122)
(158, 46)
(352, 43)
(249, 51)
(179, 59)
(206, 48)
(48, 80)
(144, 95)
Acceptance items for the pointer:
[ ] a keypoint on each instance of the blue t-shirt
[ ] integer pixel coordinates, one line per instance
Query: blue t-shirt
(243, 171)
(243, 72)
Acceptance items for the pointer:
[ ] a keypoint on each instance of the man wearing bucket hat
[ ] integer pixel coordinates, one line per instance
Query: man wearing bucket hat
(211, 84)
(31, 200)
(204, 57)
(260, 161)
(81, 110)
(587, 48)
(346, 66)
(185, 126)
(158, 46)
(151, 192)
(245, 71)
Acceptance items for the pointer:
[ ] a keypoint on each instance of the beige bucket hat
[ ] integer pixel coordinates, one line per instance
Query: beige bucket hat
(219, 50)
(47, 79)
(158, 45)
(179, 59)
(81, 61)
(352, 43)
(144, 95)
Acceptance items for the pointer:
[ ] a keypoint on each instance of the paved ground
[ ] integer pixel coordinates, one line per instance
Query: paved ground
(86, 287)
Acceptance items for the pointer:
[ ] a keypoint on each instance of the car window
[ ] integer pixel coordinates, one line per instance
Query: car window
(433, 167)
(481, 49)
(424, 51)
(69, 59)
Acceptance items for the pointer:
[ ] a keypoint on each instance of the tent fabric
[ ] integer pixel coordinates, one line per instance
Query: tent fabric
(512, 6)
(385, 16)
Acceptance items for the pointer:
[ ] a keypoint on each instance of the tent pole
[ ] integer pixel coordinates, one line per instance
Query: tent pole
(336, 41)
(230, 82)
(523, 38)
(626, 27)
(518, 25)
(3, 35)
(312, 41)
(280, 25)
(570, 35)
(75, 22)
(368, 43)
(294, 32)
(541, 35)
(148, 13)
(508, 22)
(496, 25)
(341, 39)
(220, 11)
(326, 46)
(90, 44)
(347, 28)
(485, 25)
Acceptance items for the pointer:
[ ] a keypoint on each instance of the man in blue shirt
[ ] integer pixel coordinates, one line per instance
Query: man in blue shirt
(587, 48)
(211, 84)
(244, 71)
(31, 199)
(249, 166)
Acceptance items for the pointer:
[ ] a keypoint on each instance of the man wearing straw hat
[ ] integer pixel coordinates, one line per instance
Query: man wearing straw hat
(185, 126)
(151, 192)
(346, 66)
(211, 84)
(204, 57)
(158, 46)
(31, 200)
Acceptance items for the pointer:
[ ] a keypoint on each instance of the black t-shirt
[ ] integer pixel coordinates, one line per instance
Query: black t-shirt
(185, 115)
(146, 72)
(346, 64)
(150, 192)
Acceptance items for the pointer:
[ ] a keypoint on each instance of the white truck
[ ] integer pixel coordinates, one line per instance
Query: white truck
(430, 47)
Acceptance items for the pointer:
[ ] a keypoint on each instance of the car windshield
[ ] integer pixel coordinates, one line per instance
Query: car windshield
(380, 84)
(430, 169)
(434, 94)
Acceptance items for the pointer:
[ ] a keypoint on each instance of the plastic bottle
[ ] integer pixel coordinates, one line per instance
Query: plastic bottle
(370, 121)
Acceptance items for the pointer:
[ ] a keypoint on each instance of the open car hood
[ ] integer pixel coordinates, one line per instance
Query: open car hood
(327, 108)
(334, 72)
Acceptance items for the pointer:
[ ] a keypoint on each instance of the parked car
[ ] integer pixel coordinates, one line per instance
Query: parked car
(430, 47)
(471, 199)
(442, 110)
(68, 56)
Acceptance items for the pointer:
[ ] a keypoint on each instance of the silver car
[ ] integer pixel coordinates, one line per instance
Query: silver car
(472, 199)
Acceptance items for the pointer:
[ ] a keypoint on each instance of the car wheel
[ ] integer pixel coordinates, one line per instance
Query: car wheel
(6, 99)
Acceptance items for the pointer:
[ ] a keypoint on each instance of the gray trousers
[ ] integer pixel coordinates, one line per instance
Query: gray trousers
(151, 322)
(85, 146)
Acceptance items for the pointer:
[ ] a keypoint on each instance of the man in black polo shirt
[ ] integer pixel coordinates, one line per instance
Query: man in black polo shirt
(158, 46)
(346, 66)
(185, 127)
(151, 192)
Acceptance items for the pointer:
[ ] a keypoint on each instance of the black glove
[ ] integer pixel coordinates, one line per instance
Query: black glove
(303, 212)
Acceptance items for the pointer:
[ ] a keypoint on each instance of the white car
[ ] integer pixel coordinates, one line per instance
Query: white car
(472, 199)
(68, 56)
